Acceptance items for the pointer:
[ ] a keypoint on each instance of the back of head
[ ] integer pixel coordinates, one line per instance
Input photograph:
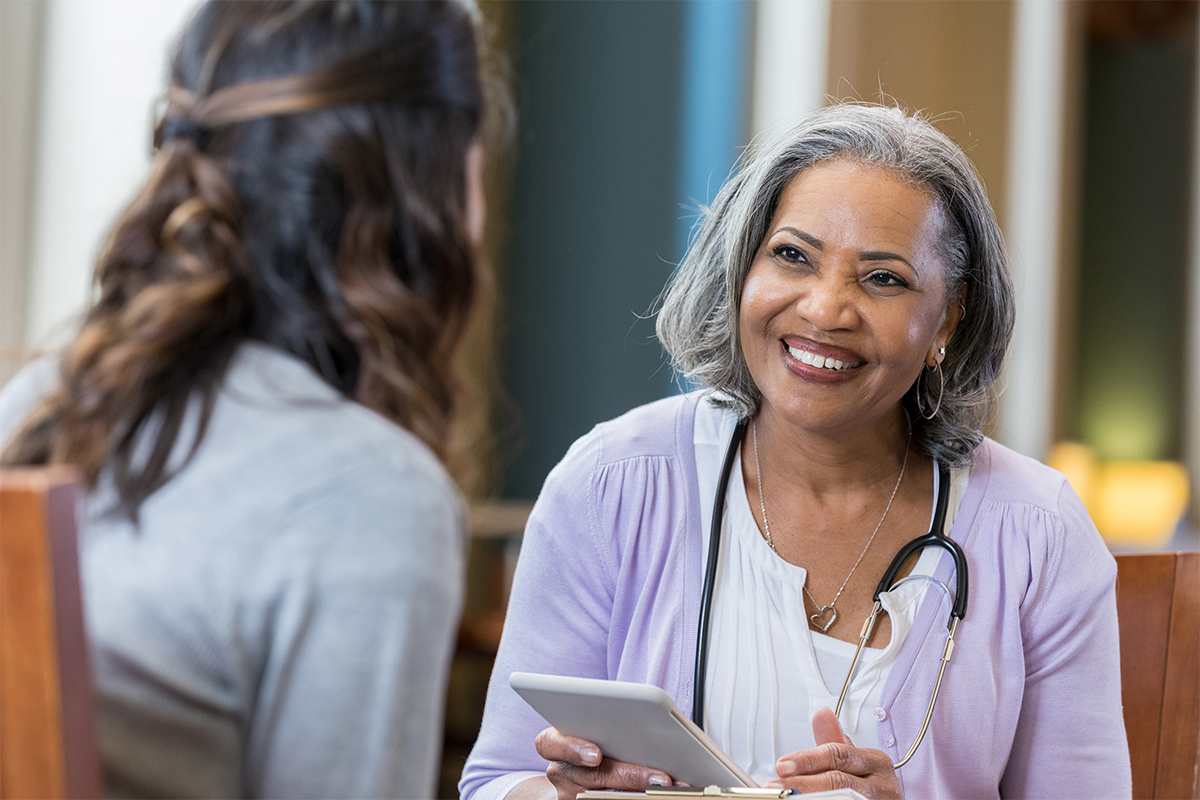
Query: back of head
(310, 191)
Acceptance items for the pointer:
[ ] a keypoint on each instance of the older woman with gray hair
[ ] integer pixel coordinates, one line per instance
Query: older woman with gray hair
(847, 306)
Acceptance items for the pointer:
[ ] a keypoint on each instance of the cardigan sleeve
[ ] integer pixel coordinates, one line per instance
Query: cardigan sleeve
(1070, 738)
(557, 622)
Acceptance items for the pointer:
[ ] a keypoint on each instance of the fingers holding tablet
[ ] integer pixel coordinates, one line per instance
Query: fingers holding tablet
(576, 765)
(631, 724)
(554, 746)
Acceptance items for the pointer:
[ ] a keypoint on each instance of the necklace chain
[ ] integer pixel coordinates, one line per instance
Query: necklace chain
(818, 619)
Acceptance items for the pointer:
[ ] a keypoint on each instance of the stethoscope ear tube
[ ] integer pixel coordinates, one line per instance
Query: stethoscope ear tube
(710, 574)
(935, 538)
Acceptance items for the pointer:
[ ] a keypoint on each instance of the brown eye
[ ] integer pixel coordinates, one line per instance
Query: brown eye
(789, 253)
(887, 280)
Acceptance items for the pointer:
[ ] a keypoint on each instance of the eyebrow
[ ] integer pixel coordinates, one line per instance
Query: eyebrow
(814, 241)
(866, 255)
(882, 255)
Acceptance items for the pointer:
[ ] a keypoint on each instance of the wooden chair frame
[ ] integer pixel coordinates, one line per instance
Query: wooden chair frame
(1158, 608)
(47, 706)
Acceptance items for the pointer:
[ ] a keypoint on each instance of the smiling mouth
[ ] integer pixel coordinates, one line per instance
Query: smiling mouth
(821, 362)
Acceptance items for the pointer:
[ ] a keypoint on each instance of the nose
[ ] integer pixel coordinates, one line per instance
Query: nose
(829, 304)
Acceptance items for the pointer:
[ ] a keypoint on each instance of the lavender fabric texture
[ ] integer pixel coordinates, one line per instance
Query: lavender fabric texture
(609, 582)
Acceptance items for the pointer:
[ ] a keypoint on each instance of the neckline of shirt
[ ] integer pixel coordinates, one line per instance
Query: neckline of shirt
(741, 523)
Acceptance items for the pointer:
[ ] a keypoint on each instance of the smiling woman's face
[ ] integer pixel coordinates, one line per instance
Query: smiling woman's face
(846, 299)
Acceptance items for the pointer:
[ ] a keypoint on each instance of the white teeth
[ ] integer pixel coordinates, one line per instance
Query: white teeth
(820, 362)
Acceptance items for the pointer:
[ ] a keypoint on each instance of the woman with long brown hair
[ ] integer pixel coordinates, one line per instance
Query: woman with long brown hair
(260, 399)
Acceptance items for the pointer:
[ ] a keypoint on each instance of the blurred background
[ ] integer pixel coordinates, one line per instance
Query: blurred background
(1081, 115)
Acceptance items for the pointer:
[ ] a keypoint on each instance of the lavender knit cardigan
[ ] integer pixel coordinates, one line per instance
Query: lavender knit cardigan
(608, 586)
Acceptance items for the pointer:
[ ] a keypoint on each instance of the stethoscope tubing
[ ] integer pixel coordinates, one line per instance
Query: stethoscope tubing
(934, 538)
(710, 574)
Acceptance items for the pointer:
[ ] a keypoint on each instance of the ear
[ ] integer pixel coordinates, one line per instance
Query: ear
(476, 209)
(956, 305)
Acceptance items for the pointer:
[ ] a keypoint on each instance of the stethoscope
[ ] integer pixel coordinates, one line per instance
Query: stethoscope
(935, 538)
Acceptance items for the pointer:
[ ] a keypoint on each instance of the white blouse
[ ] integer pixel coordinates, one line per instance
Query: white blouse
(768, 671)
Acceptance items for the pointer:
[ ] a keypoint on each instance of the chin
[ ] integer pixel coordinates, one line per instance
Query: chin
(830, 418)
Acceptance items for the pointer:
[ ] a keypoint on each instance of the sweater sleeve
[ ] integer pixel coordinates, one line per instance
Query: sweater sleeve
(1070, 734)
(557, 622)
(21, 394)
(356, 603)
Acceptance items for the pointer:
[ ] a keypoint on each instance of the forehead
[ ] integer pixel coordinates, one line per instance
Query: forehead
(844, 196)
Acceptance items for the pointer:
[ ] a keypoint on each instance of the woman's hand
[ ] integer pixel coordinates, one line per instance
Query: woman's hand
(576, 765)
(835, 763)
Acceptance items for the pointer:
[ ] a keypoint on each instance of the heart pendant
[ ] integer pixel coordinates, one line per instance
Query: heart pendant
(817, 618)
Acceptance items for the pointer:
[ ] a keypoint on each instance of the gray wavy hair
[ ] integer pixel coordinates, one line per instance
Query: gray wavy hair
(698, 321)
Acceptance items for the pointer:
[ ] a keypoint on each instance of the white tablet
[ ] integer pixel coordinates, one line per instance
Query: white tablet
(632, 722)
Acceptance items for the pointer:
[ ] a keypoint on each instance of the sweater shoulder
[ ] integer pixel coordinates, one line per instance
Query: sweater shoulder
(662, 428)
(276, 417)
(1013, 478)
(1035, 506)
(659, 432)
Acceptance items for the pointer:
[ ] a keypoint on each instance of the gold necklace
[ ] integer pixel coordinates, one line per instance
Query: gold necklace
(818, 619)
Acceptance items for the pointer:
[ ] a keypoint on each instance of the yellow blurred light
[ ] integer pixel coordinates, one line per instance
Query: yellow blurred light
(1078, 463)
(1133, 503)
(1140, 502)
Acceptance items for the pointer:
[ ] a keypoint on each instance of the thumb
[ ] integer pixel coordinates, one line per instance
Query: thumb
(826, 728)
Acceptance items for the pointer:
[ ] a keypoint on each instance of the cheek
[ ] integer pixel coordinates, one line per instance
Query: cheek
(761, 300)
(920, 329)
(754, 313)
(917, 330)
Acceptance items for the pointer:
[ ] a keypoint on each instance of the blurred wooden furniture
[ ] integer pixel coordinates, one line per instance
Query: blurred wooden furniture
(496, 530)
(47, 708)
(1158, 608)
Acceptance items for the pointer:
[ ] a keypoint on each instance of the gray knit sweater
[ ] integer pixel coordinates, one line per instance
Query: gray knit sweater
(281, 623)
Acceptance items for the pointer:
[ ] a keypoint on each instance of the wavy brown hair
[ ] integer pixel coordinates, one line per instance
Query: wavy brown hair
(309, 192)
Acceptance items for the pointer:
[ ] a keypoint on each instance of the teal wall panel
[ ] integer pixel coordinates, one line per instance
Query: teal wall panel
(593, 220)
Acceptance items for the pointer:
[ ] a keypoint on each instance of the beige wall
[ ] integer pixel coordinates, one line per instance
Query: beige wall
(103, 66)
(78, 82)
(950, 59)
(20, 37)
